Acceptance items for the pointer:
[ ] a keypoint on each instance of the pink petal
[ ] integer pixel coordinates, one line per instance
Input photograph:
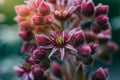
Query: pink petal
(24, 77)
(72, 32)
(31, 76)
(46, 47)
(62, 51)
(71, 48)
(19, 71)
(52, 52)
(71, 9)
(18, 68)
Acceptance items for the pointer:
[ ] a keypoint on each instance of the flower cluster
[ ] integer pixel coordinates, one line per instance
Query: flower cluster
(62, 38)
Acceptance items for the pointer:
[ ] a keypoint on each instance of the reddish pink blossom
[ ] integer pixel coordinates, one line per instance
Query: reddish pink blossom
(22, 10)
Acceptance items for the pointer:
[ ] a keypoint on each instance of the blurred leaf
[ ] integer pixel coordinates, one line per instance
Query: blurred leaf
(7, 8)
(115, 23)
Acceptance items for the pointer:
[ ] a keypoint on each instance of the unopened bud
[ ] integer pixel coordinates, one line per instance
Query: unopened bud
(87, 8)
(106, 71)
(106, 32)
(22, 10)
(44, 9)
(31, 60)
(94, 48)
(41, 40)
(84, 50)
(19, 19)
(100, 74)
(101, 9)
(47, 20)
(24, 26)
(37, 71)
(102, 19)
(31, 47)
(112, 46)
(78, 38)
(24, 47)
(25, 35)
(37, 19)
(39, 53)
(56, 69)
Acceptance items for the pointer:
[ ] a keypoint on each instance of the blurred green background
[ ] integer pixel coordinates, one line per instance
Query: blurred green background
(10, 43)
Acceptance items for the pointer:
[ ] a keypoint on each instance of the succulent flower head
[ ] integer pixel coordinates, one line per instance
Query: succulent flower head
(61, 36)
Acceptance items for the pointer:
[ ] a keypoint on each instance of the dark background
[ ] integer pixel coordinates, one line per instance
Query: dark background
(10, 43)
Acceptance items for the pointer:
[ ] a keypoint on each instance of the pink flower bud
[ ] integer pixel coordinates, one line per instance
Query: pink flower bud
(84, 50)
(24, 47)
(87, 8)
(48, 20)
(28, 47)
(22, 10)
(19, 19)
(78, 38)
(41, 40)
(44, 9)
(112, 46)
(37, 19)
(25, 35)
(101, 9)
(32, 5)
(31, 48)
(31, 59)
(100, 74)
(107, 32)
(56, 69)
(37, 72)
(106, 71)
(94, 48)
(24, 26)
(102, 19)
(39, 53)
